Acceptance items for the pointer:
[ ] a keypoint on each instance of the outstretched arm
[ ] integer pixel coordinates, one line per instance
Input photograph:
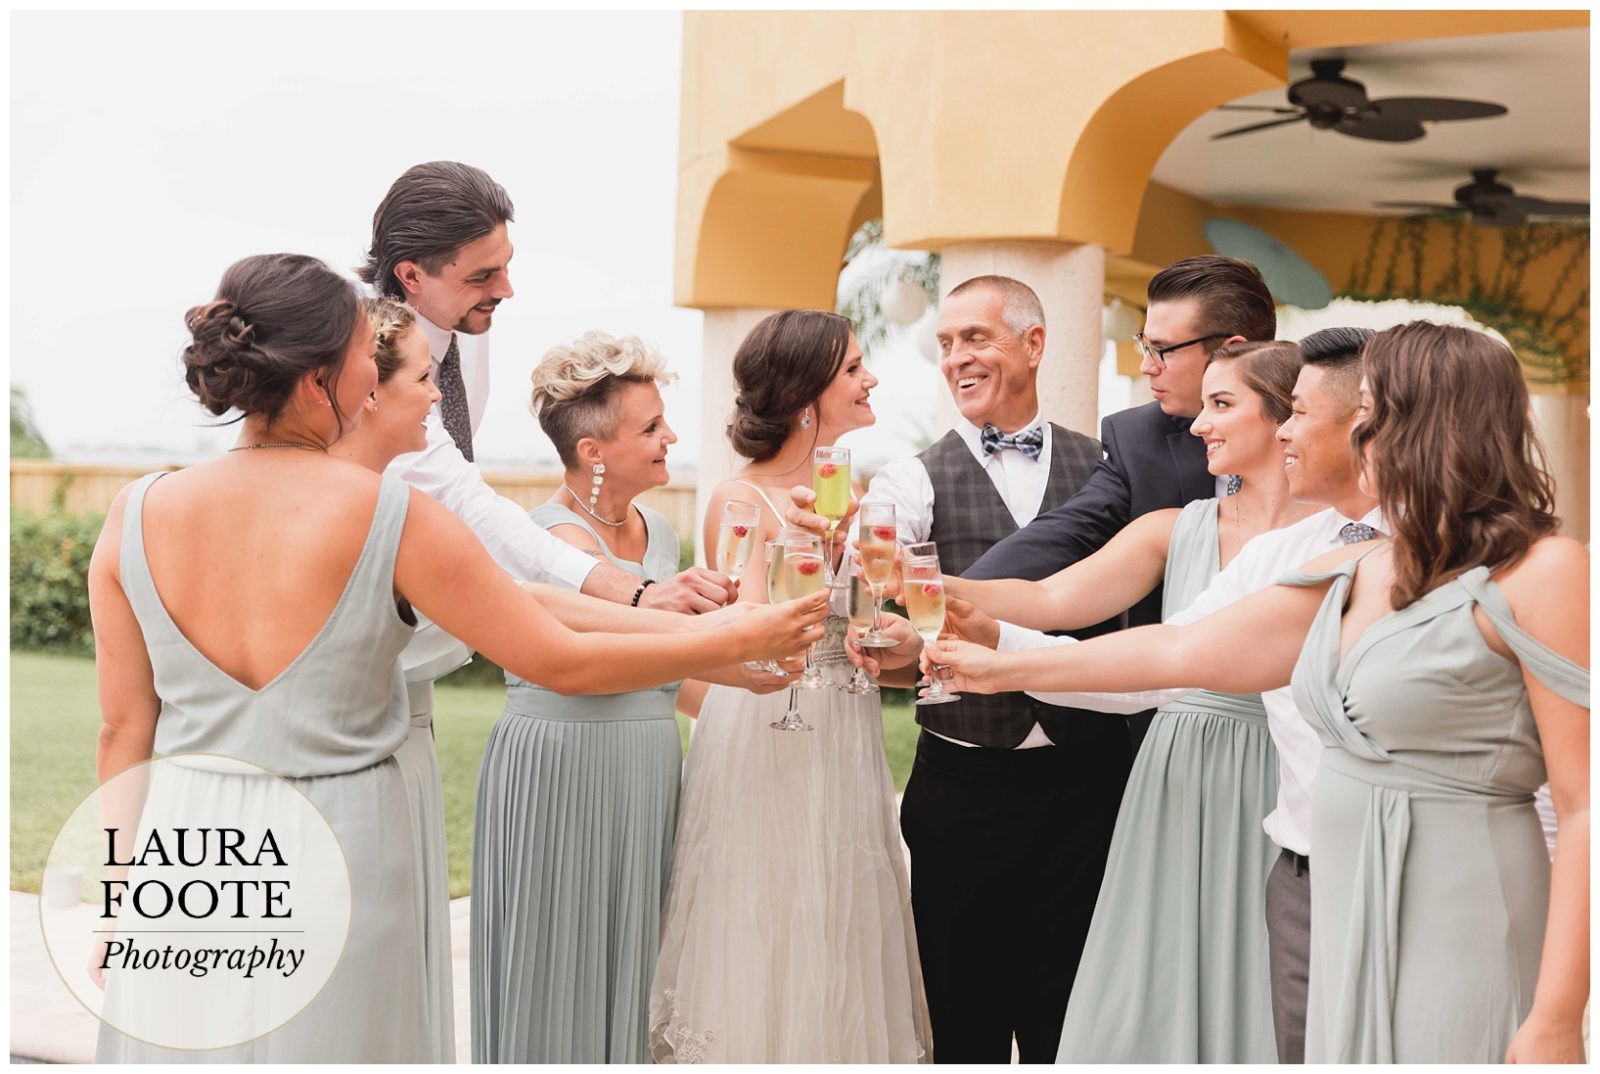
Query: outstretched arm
(1207, 654)
(1105, 584)
(451, 579)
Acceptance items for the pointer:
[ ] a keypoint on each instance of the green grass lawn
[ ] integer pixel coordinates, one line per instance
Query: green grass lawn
(55, 717)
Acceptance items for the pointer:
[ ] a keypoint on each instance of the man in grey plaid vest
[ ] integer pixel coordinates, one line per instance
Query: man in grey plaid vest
(1011, 803)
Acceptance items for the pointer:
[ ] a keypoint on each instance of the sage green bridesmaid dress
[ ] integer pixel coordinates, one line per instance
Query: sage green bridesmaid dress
(1174, 969)
(330, 724)
(577, 803)
(430, 655)
(1429, 881)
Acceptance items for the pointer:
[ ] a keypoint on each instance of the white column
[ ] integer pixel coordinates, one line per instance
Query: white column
(722, 332)
(1070, 282)
(1562, 422)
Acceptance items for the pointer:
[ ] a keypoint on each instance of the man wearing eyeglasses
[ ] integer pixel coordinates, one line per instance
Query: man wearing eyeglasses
(1151, 462)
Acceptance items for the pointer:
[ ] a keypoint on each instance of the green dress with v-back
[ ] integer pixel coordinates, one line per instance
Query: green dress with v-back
(330, 724)
(1430, 882)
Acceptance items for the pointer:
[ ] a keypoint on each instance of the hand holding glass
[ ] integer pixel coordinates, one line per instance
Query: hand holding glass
(863, 613)
(877, 546)
(923, 588)
(802, 576)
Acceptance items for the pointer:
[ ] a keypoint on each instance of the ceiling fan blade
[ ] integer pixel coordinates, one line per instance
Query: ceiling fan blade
(1380, 130)
(1257, 108)
(1542, 207)
(1434, 109)
(1257, 127)
(1422, 206)
(1338, 92)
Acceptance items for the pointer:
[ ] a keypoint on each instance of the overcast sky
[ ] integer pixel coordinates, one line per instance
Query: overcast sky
(149, 151)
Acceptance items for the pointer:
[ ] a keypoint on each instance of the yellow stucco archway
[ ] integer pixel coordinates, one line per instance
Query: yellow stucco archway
(798, 124)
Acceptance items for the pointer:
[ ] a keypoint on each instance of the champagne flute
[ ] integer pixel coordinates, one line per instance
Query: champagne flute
(863, 609)
(923, 585)
(830, 480)
(877, 564)
(802, 576)
(736, 538)
(775, 595)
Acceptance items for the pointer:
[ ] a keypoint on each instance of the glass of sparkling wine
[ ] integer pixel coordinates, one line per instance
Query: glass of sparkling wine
(877, 564)
(863, 612)
(802, 576)
(923, 585)
(776, 594)
(830, 480)
(736, 539)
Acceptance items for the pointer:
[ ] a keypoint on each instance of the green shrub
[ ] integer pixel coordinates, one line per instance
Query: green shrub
(49, 581)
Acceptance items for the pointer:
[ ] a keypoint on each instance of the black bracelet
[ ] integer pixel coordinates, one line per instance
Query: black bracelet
(637, 593)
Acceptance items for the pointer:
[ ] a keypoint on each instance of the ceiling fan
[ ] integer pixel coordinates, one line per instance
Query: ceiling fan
(1494, 203)
(1329, 101)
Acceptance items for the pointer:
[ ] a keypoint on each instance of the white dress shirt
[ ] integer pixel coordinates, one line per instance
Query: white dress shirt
(520, 546)
(1258, 565)
(1019, 480)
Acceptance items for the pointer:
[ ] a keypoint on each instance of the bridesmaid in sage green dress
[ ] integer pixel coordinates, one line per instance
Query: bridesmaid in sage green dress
(392, 426)
(1441, 669)
(578, 796)
(1178, 932)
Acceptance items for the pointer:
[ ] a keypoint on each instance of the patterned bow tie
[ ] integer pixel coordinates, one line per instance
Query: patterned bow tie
(1030, 441)
(1356, 532)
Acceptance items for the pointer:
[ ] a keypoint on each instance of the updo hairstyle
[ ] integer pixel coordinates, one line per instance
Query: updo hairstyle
(391, 320)
(783, 365)
(1267, 368)
(575, 387)
(276, 318)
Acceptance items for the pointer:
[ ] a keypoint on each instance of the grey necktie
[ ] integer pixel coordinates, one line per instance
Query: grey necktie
(1356, 532)
(453, 400)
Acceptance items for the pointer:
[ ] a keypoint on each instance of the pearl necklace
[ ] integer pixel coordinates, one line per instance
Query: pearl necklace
(590, 511)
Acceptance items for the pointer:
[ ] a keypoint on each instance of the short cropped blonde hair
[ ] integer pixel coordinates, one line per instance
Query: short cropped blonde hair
(576, 384)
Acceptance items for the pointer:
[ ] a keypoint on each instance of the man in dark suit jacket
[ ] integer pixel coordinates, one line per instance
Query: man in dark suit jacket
(1151, 462)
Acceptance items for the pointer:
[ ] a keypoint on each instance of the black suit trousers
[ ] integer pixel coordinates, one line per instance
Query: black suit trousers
(1007, 852)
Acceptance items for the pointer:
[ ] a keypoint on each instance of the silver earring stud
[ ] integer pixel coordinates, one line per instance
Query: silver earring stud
(805, 418)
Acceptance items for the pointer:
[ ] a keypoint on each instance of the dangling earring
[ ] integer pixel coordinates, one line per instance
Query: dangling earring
(599, 479)
(805, 418)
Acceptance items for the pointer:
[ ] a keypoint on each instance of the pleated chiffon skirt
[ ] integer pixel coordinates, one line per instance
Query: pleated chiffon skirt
(577, 800)
(1175, 966)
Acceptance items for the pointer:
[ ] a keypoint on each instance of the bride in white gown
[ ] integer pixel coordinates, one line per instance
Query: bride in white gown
(787, 935)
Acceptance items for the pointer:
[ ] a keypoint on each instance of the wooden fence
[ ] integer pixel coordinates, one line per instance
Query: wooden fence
(41, 486)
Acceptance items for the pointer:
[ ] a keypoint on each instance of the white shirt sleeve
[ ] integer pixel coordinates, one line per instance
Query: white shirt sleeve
(1228, 585)
(1017, 639)
(904, 483)
(525, 550)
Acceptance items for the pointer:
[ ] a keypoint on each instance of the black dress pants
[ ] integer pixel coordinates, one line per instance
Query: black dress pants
(1007, 852)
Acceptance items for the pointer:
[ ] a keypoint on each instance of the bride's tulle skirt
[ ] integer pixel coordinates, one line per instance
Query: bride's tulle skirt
(788, 935)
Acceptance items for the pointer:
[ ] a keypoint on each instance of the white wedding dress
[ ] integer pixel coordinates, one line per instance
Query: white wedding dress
(787, 935)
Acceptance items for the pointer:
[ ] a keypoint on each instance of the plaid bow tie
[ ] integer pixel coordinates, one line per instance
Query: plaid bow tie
(1356, 532)
(1030, 441)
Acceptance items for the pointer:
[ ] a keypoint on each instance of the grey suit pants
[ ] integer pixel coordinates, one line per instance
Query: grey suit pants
(1289, 951)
